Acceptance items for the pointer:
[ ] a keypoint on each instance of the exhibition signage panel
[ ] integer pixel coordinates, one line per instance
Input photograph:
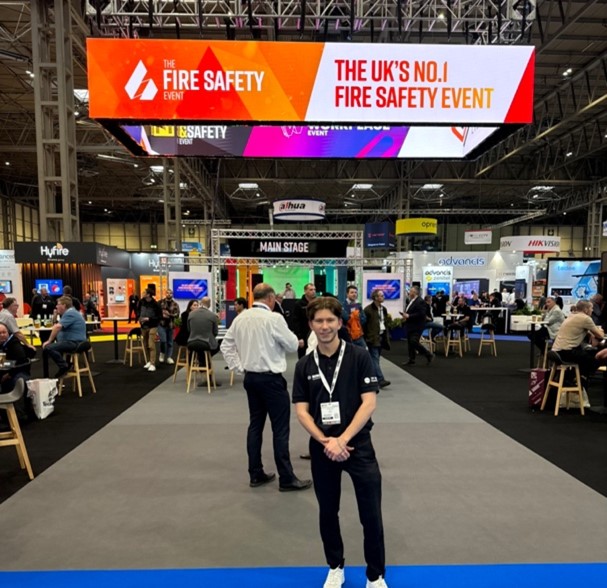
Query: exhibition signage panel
(288, 248)
(248, 81)
(530, 244)
(353, 142)
(299, 209)
(436, 279)
(416, 226)
(379, 235)
(70, 252)
(478, 237)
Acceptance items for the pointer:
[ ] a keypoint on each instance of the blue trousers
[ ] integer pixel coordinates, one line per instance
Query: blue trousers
(375, 353)
(165, 334)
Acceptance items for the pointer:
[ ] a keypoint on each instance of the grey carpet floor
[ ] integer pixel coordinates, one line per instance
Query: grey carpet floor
(165, 485)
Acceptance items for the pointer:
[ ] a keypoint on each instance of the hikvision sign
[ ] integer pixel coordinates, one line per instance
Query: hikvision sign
(462, 261)
(531, 244)
(299, 209)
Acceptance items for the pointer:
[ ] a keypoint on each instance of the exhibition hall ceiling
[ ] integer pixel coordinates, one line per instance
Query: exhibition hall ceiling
(556, 165)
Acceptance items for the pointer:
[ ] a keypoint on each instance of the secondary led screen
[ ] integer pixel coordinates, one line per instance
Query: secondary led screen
(53, 287)
(190, 289)
(312, 142)
(390, 288)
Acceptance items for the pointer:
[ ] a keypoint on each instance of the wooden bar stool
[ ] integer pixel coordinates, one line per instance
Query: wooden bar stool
(196, 368)
(556, 380)
(427, 341)
(14, 437)
(80, 366)
(134, 345)
(454, 341)
(182, 360)
(487, 338)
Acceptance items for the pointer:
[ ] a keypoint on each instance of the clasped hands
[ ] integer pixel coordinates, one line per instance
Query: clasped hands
(336, 449)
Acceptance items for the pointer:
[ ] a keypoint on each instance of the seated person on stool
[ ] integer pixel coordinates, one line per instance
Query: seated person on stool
(20, 354)
(569, 342)
(435, 327)
(465, 320)
(554, 318)
(203, 325)
(65, 335)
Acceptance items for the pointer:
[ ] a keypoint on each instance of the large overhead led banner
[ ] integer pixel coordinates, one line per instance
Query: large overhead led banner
(256, 81)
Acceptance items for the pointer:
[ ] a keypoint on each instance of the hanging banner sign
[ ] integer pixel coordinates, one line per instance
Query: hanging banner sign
(288, 247)
(352, 141)
(477, 237)
(531, 244)
(299, 209)
(198, 80)
(379, 235)
(416, 226)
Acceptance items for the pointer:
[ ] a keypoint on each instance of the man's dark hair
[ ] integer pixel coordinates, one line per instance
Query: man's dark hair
(8, 302)
(324, 303)
(67, 290)
(242, 301)
(351, 288)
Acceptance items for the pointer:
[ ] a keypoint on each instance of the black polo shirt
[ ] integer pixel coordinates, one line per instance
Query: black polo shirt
(356, 376)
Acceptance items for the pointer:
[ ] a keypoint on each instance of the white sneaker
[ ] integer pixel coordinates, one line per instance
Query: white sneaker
(161, 358)
(335, 578)
(147, 366)
(152, 368)
(379, 583)
(170, 361)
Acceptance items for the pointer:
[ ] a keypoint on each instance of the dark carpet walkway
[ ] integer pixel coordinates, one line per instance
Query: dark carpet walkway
(496, 391)
(76, 419)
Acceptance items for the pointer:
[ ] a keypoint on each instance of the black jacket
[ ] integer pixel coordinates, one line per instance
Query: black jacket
(418, 314)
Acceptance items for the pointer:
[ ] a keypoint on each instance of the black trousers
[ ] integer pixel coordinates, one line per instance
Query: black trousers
(539, 338)
(268, 396)
(364, 471)
(585, 360)
(415, 347)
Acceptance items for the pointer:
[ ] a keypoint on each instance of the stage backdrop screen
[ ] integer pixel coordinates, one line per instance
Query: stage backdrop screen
(190, 289)
(54, 287)
(390, 288)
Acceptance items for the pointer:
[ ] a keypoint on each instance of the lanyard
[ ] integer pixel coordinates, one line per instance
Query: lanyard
(342, 350)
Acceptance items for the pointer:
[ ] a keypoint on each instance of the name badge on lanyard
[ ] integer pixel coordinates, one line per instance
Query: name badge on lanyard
(329, 411)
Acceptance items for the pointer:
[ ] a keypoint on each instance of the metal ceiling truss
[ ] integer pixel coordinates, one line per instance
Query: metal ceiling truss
(574, 102)
(478, 21)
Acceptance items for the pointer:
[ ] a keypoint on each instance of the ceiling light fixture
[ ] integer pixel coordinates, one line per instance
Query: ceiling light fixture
(431, 187)
(362, 187)
(157, 169)
(248, 186)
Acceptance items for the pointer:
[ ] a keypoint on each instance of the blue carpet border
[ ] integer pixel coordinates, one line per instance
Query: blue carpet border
(528, 575)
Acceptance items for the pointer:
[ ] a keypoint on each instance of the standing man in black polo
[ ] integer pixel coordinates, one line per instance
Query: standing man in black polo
(300, 318)
(335, 393)
(257, 342)
(415, 317)
(377, 335)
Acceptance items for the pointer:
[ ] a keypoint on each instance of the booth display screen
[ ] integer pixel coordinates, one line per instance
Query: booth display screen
(6, 286)
(390, 288)
(434, 288)
(573, 279)
(53, 287)
(190, 289)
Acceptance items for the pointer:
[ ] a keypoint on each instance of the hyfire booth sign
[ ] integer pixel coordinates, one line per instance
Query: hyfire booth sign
(188, 80)
(531, 244)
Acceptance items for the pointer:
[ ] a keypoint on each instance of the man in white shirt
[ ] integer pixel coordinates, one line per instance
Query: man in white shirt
(257, 343)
